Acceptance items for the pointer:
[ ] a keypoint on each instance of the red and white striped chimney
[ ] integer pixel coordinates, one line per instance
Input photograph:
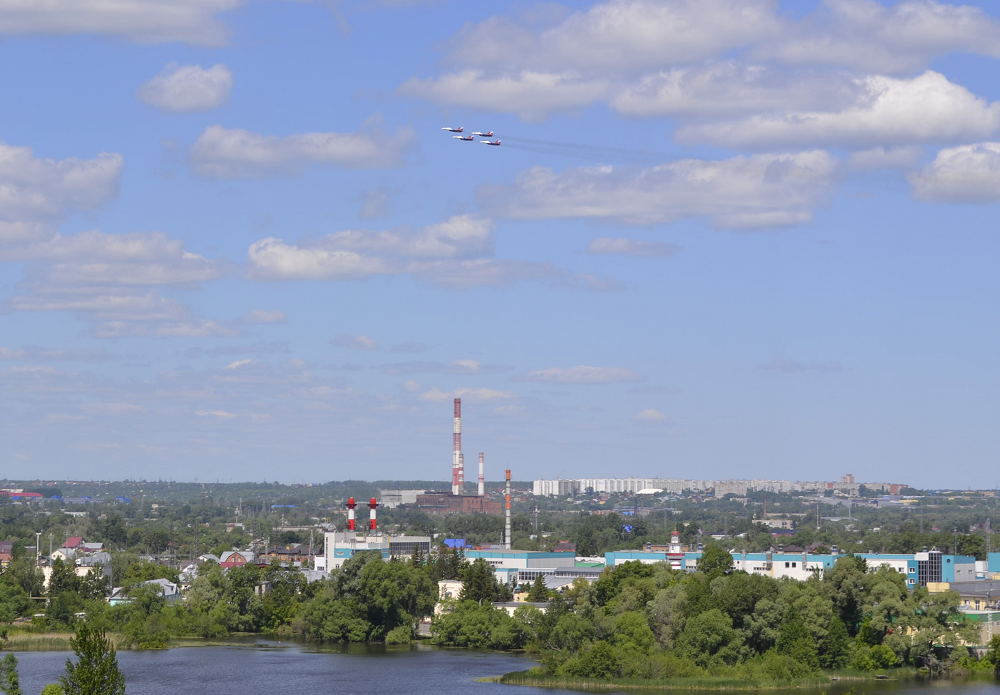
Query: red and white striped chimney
(457, 464)
(372, 525)
(482, 482)
(351, 504)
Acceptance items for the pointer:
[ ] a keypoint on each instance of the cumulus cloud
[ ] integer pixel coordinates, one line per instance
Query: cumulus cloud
(631, 247)
(870, 36)
(355, 342)
(111, 279)
(35, 193)
(454, 254)
(95, 257)
(925, 109)
(528, 94)
(142, 21)
(621, 34)
(650, 415)
(791, 366)
(732, 86)
(234, 153)
(965, 174)
(745, 192)
(581, 375)
(185, 88)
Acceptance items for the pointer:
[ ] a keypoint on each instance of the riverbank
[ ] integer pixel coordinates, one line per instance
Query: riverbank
(59, 642)
(533, 678)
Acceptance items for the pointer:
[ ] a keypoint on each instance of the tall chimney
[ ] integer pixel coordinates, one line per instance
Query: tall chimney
(372, 524)
(482, 483)
(351, 504)
(457, 474)
(506, 528)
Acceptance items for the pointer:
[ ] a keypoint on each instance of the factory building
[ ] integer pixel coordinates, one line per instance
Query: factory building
(443, 503)
(340, 546)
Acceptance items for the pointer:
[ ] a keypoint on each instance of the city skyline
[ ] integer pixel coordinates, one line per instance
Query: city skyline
(717, 237)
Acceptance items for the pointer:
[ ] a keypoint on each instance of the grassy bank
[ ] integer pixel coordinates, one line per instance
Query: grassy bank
(533, 678)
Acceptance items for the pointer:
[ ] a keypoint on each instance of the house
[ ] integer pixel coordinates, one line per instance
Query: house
(170, 591)
(64, 554)
(236, 558)
(448, 590)
(74, 542)
(6, 552)
(511, 606)
(92, 547)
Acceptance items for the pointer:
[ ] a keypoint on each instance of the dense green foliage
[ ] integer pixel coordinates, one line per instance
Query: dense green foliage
(96, 669)
(647, 621)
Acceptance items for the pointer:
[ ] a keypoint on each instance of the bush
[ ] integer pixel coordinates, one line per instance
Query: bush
(401, 634)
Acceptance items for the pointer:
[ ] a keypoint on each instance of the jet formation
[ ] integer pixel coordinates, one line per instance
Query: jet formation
(470, 138)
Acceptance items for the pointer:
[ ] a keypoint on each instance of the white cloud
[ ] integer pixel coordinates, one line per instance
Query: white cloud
(965, 174)
(621, 35)
(771, 190)
(258, 317)
(528, 94)
(650, 415)
(582, 375)
(452, 254)
(216, 413)
(732, 86)
(185, 88)
(36, 193)
(870, 36)
(97, 258)
(411, 386)
(142, 21)
(355, 342)
(925, 109)
(237, 363)
(631, 247)
(235, 153)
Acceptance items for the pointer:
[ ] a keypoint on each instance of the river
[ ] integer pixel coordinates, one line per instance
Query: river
(267, 668)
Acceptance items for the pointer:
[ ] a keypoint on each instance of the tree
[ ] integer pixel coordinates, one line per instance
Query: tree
(538, 593)
(10, 684)
(795, 641)
(835, 651)
(479, 583)
(715, 561)
(96, 671)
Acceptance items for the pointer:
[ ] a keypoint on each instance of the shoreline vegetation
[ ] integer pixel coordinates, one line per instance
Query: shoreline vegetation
(535, 677)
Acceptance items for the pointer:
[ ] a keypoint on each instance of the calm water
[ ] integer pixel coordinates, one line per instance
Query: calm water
(267, 668)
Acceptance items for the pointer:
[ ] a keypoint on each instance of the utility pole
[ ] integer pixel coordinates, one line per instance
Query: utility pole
(38, 548)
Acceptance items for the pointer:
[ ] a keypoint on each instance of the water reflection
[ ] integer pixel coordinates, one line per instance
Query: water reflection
(256, 667)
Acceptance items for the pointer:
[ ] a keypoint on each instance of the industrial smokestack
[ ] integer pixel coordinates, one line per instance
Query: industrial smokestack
(506, 528)
(482, 483)
(351, 504)
(372, 525)
(457, 474)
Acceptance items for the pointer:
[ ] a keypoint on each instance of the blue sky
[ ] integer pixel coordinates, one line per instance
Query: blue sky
(723, 238)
